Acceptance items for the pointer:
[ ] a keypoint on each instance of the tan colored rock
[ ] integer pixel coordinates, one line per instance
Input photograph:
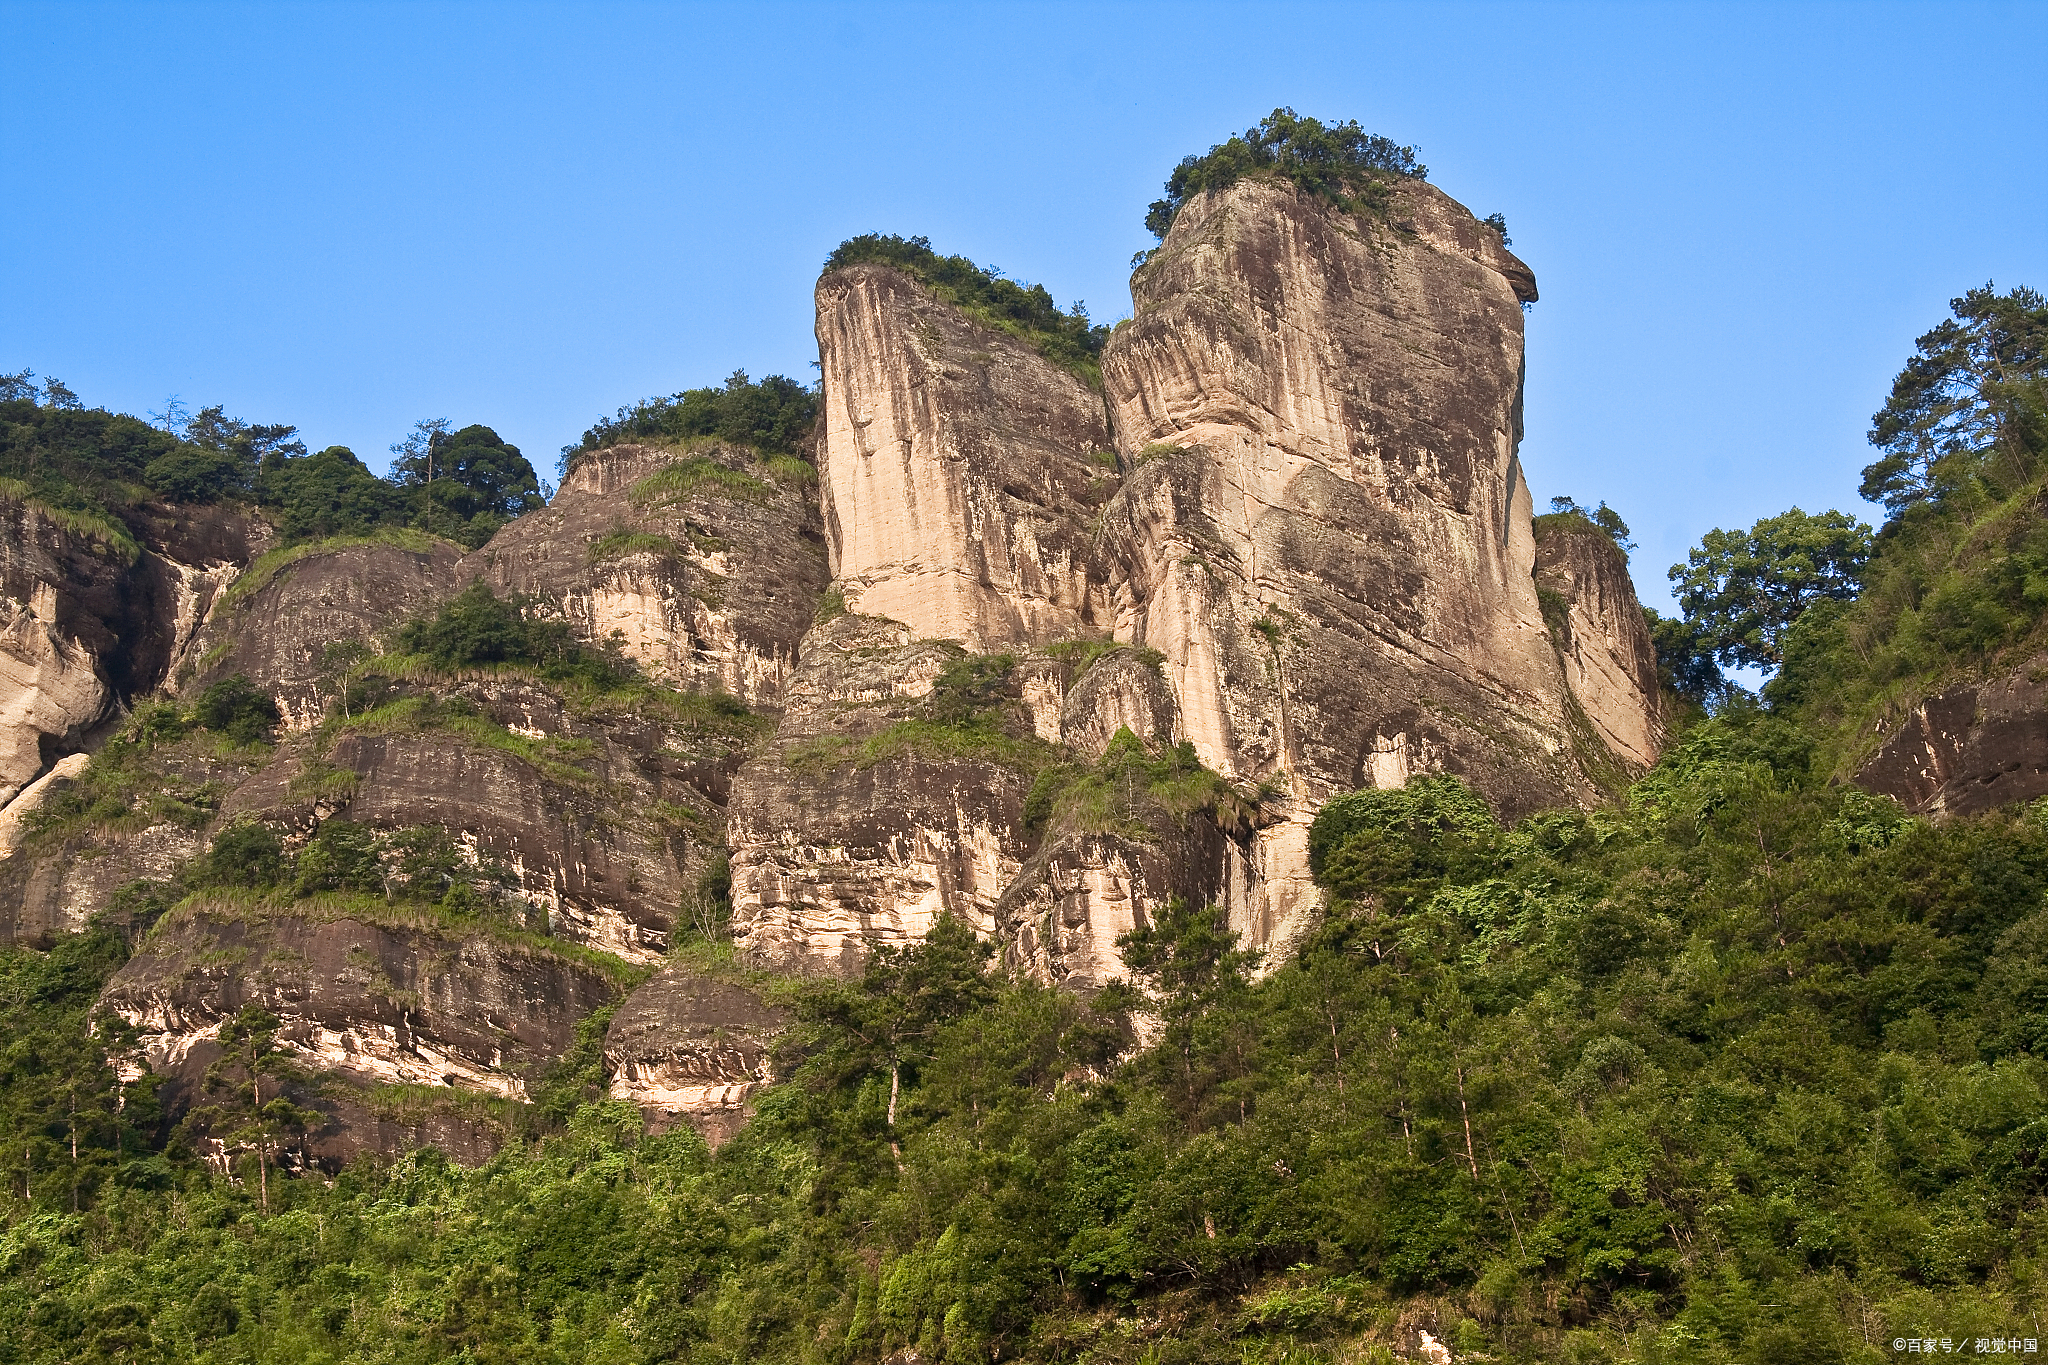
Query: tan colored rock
(1123, 691)
(364, 1003)
(707, 582)
(960, 470)
(1609, 659)
(686, 1048)
(835, 849)
(282, 627)
(1326, 531)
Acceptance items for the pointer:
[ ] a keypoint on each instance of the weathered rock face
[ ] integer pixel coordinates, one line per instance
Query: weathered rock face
(1326, 531)
(293, 630)
(361, 1003)
(684, 1047)
(87, 622)
(855, 827)
(1604, 641)
(57, 879)
(1970, 748)
(960, 468)
(706, 565)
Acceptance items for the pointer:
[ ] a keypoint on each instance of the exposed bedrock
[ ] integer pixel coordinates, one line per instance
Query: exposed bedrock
(293, 627)
(875, 811)
(1968, 749)
(705, 564)
(960, 470)
(1324, 528)
(361, 1004)
(1603, 639)
(855, 826)
(90, 618)
(685, 1047)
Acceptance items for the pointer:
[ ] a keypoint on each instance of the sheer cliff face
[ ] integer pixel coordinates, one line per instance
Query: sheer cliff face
(86, 623)
(960, 470)
(1604, 641)
(704, 565)
(1325, 529)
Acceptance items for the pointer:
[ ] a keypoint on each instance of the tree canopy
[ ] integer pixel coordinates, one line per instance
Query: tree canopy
(1744, 589)
(773, 417)
(1340, 163)
(88, 460)
(1970, 404)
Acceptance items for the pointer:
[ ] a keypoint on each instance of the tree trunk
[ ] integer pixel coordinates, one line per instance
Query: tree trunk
(1467, 1114)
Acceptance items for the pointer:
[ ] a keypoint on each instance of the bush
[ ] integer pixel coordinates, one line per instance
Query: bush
(477, 628)
(246, 854)
(236, 709)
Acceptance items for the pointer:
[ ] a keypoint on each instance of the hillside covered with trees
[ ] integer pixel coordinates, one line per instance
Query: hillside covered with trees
(1748, 1064)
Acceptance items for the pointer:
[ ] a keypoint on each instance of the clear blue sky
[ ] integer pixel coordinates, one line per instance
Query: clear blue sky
(351, 216)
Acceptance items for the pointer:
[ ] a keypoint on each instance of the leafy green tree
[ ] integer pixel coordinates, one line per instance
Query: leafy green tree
(774, 416)
(464, 484)
(244, 1096)
(1742, 590)
(1603, 519)
(1685, 660)
(341, 856)
(218, 457)
(247, 853)
(1339, 162)
(329, 493)
(1971, 402)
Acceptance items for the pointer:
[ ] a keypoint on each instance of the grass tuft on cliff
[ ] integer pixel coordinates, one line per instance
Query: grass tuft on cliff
(1026, 312)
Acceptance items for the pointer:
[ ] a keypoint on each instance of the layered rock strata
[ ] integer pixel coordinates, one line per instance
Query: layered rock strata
(686, 1048)
(960, 468)
(300, 619)
(1967, 749)
(864, 823)
(360, 1002)
(705, 565)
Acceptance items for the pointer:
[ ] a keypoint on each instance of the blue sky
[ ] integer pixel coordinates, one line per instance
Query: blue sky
(351, 216)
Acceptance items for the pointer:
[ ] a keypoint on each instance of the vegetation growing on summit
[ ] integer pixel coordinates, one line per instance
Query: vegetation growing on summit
(1339, 163)
(1026, 312)
(772, 417)
(88, 466)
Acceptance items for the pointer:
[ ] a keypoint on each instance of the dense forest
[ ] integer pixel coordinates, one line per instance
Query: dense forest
(1746, 1065)
(86, 465)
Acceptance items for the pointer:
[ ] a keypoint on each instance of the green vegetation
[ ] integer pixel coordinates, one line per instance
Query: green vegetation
(1341, 163)
(478, 629)
(1566, 516)
(1953, 587)
(773, 417)
(132, 782)
(1743, 590)
(1126, 790)
(84, 467)
(1026, 312)
(1747, 1068)
(672, 483)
